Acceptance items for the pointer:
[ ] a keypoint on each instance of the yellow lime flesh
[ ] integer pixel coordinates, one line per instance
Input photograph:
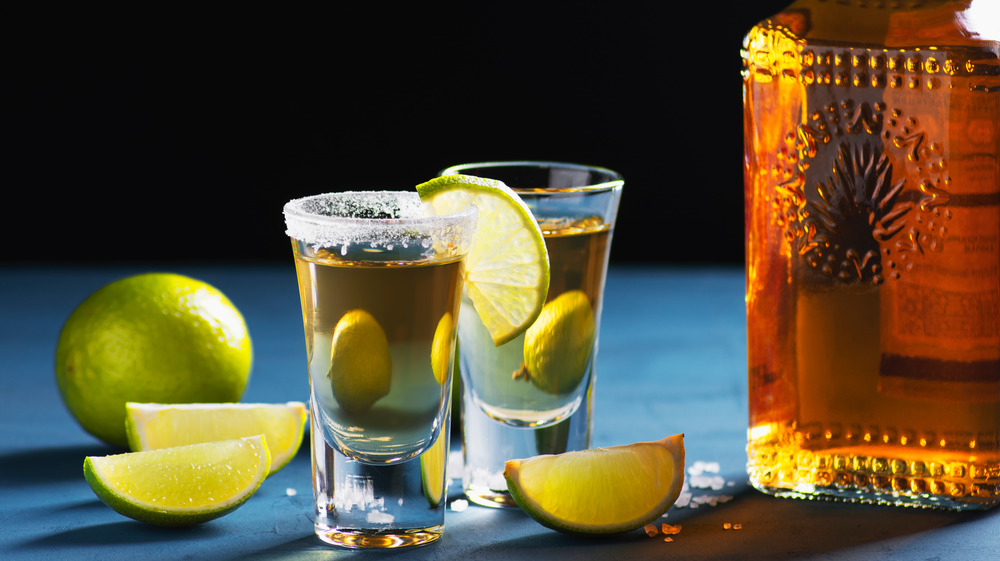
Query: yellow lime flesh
(152, 426)
(507, 267)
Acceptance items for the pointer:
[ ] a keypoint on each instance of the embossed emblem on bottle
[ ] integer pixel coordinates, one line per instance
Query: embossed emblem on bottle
(867, 198)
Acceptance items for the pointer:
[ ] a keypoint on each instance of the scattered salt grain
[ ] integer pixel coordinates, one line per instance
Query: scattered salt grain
(714, 482)
(291, 492)
(697, 479)
(670, 530)
(459, 505)
(665, 529)
(699, 467)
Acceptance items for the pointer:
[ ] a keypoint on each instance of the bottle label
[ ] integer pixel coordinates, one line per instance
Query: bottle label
(941, 313)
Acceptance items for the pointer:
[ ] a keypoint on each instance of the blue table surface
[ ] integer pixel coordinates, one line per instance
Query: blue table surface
(672, 359)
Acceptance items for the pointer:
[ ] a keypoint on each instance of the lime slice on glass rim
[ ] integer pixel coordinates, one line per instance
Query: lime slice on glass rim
(180, 486)
(600, 490)
(507, 267)
(153, 426)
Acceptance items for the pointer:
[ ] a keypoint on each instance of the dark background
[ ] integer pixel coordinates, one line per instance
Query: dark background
(178, 135)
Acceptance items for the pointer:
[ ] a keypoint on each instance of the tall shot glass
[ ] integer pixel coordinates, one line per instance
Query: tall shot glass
(534, 394)
(380, 284)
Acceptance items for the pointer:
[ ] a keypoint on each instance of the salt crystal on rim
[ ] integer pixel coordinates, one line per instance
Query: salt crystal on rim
(381, 219)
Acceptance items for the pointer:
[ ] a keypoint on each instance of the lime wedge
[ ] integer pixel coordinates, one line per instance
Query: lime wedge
(432, 468)
(152, 426)
(602, 490)
(180, 486)
(507, 267)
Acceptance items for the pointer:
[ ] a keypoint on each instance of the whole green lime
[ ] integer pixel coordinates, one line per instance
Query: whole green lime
(360, 363)
(557, 347)
(151, 338)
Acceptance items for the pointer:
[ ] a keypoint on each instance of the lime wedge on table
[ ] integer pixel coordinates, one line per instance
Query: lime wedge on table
(507, 267)
(180, 486)
(602, 490)
(152, 426)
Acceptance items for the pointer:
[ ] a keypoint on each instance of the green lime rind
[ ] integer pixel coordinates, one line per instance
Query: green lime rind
(153, 337)
(148, 470)
(612, 492)
(507, 266)
(360, 362)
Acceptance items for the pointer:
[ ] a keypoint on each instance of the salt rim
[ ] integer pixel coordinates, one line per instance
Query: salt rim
(380, 219)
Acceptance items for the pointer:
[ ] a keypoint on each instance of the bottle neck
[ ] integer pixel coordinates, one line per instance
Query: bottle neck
(906, 24)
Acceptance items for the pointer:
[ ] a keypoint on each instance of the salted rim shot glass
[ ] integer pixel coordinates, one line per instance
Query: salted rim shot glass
(380, 281)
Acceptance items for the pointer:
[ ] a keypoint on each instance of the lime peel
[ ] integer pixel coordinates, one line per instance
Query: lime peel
(559, 345)
(507, 266)
(180, 486)
(601, 490)
(360, 363)
(152, 337)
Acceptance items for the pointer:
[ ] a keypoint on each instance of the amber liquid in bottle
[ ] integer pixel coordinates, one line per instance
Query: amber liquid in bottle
(873, 253)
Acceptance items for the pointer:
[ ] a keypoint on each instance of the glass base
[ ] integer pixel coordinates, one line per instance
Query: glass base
(854, 495)
(359, 505)
(382, 540)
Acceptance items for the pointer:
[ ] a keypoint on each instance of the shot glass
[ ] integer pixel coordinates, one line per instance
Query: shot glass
(534, 394)
(380, 284)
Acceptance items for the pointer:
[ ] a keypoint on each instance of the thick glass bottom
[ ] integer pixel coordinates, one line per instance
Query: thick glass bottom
(875, 475)
(860, 496)
(357, 539)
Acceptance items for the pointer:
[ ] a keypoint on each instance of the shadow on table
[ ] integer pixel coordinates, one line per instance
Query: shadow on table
(776, 529)
(48, 465)
(769, 528)
(122, 533)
